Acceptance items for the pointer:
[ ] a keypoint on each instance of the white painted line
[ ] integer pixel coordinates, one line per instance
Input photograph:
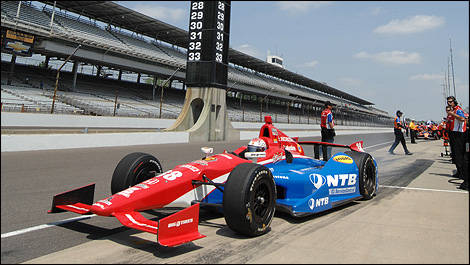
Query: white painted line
(410, 188)
(39, 227)
(379, 144)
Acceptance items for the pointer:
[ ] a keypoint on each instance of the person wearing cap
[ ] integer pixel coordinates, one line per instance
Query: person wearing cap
(397, 129)
(413, 129)
(327, 130)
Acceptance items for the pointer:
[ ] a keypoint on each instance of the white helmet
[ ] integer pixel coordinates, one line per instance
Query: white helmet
(256, 145)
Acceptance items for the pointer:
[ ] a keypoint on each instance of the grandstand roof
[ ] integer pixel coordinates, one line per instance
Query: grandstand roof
(117, 15)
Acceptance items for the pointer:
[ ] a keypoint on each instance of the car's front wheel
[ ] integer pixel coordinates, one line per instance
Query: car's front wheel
(133, 169)
(249, 199)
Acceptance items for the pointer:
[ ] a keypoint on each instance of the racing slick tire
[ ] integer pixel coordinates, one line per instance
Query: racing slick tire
(249, 199)
(133, 169)
(367, 173)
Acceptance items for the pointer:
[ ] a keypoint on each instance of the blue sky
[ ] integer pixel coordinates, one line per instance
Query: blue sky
(393, 54)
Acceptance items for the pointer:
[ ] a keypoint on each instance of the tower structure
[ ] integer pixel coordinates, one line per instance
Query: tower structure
(204, 113)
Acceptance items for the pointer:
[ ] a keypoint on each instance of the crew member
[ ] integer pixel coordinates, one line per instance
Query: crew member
(327, 130)
(452, 160)
(457, 128)
(397, 129)
(413, 131)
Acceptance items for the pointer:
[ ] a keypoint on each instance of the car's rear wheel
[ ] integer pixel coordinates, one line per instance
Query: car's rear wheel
(367, 173)
(249, 199)
(133, 169)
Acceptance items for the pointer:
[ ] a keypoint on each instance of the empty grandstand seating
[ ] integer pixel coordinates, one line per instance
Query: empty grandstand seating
(97, 96)
(27, 13)
(33, 99)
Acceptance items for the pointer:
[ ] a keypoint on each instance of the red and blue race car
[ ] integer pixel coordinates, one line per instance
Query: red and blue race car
(248, 185)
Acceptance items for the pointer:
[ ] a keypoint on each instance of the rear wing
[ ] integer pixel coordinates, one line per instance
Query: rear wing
(357, 146)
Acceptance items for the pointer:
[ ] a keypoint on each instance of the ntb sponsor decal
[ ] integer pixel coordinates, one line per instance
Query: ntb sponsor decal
(312, 203)
(336, 182)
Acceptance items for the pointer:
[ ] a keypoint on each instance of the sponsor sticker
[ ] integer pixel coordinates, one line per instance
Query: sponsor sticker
(333, 180)
(200, 162)
(255, 154)
(179, 223)
(290, 148)
(312, 203)
(226, 156)
(281, 177)
(359, 147)
(98, 205)
(190, 167)
(210, 159)
(343, 159)
(128, 192)
(342, 190)
(277, 157)
(274, 131)
(317, 180)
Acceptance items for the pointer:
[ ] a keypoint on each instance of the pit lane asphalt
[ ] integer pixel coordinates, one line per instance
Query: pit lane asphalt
(30, 179)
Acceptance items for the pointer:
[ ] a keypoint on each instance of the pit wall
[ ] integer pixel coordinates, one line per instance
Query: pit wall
(30, 142)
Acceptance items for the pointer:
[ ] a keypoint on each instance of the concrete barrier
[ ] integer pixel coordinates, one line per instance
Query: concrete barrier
(30, 142)
(44, 120)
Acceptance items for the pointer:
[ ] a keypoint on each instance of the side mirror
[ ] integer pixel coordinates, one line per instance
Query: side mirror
(289, 156)
(207, 150)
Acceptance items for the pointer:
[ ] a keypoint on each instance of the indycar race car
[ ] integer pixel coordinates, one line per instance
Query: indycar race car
(248, 185)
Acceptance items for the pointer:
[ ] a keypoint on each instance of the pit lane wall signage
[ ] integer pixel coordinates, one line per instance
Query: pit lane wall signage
(208, 43)
(17, 43)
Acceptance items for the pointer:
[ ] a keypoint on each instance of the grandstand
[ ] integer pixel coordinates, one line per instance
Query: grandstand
(254, 89)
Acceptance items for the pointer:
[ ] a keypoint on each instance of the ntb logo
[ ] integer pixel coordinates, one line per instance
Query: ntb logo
(333, 180)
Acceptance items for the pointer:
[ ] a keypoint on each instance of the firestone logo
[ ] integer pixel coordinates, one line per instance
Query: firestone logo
(178, 223)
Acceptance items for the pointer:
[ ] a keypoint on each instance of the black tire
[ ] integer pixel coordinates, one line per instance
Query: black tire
(367, 173)
(249, 199)
(133, 169)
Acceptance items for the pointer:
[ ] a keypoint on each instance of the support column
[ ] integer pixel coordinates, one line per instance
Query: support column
(98, 70)
(154, 87)
(74, 71)
(120, 74)
(46, 62)
(12, 69)
(204, 111)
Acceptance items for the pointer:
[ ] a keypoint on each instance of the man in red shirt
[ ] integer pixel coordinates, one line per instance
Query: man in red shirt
(456, 125)
(327, 129)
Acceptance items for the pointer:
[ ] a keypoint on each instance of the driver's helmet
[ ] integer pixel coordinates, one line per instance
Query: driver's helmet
(256, 145)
